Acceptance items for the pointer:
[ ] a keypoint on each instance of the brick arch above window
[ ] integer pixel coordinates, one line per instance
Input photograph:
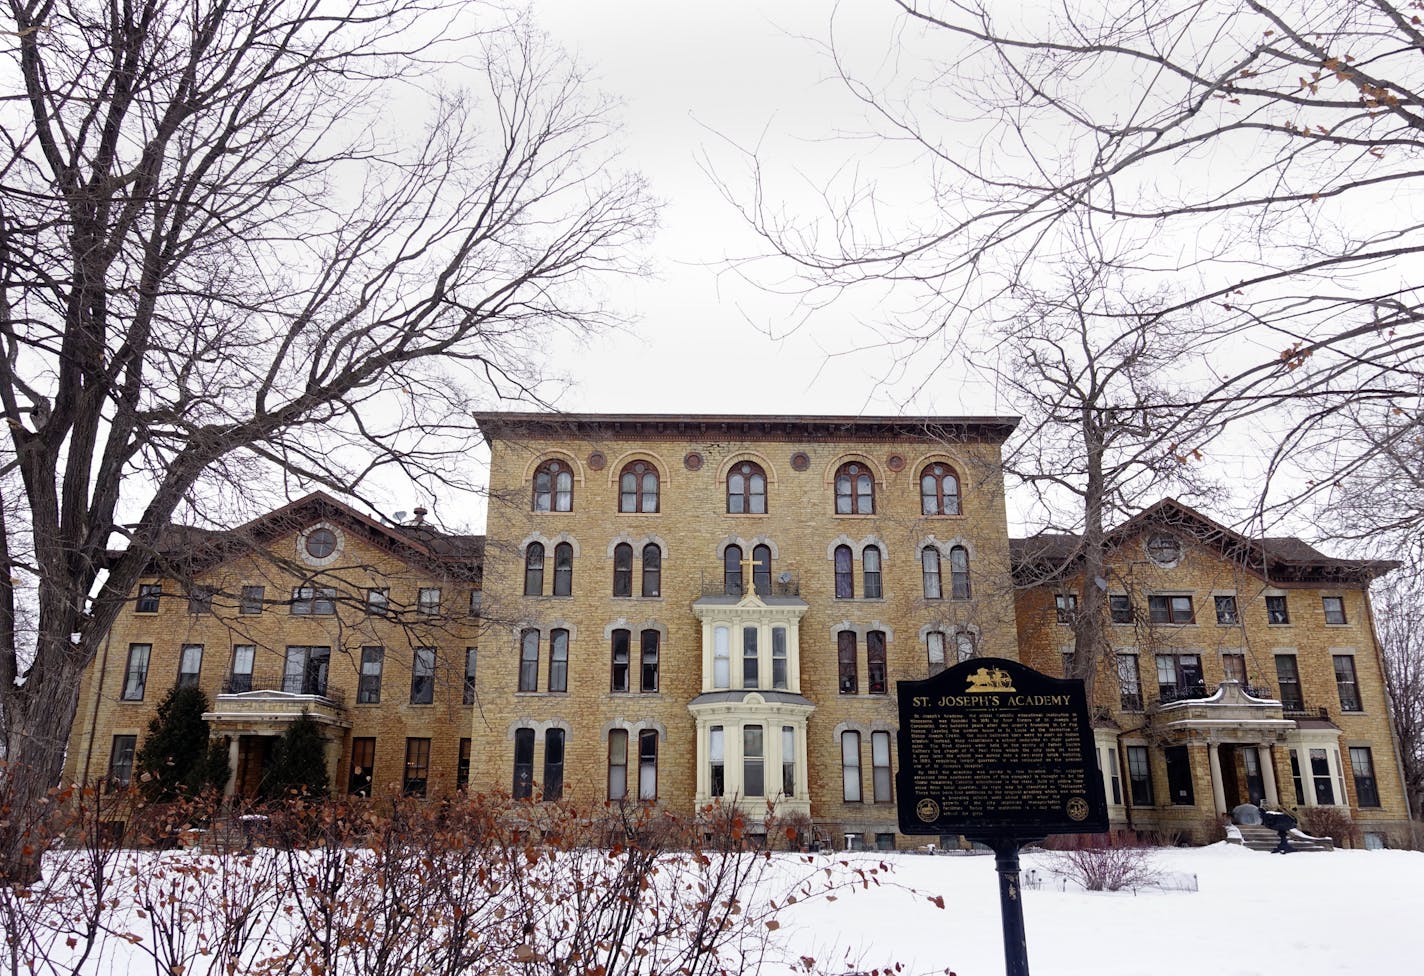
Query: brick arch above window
(860, 630)
(636, 627)
(948, 544)
(747, 545)
(550, 541)
(828, 475)
(949, 628)
(858, 547)
(536, 460)
(633, 728)
(638, 542)
(544, 627)
(732, 460)
(540, 726)
(663, 465)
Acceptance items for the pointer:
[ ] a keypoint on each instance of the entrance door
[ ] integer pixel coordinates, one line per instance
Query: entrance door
(253, 754)
(1230, 781)
(1255, 782)
(1179, 776)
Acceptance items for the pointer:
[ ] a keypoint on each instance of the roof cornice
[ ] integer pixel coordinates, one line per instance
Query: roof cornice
(517, 424)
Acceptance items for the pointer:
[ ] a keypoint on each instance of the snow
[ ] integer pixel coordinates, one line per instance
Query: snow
(1251, 914)
(1254, 914)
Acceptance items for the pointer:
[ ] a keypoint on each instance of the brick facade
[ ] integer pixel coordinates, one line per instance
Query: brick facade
(550, 676)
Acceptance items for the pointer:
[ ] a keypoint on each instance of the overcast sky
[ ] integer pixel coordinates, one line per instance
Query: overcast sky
(695, 80)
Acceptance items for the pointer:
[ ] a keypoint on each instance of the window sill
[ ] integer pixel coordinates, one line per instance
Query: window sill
(747, 515)
(944, 515)
(429, 704)
(1285, 624)
(636, 599)
(1329, 624)
(640, 514)
(541, 694)
(853, 515)
(145, 613)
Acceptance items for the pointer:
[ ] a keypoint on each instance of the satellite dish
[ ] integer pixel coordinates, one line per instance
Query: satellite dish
(784, 578)
(399, 516)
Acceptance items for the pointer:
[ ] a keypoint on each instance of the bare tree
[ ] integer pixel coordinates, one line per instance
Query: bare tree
(1108, 422)
(1399, 620)
(1256, 159)
(254, 236)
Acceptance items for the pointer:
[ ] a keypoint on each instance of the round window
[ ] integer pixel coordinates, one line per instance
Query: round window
(1163, 549)
(320, 543)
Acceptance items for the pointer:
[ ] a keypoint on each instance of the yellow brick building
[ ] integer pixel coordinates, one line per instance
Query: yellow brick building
(676, 609)
(313, 608)
(1240, 669)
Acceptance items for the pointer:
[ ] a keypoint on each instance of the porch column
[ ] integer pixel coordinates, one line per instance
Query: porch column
(331, 752)
(1218, 793)
(1268, 776)
(234, 752)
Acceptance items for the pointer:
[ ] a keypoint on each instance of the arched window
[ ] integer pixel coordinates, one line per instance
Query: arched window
(965, 645)
(959, 573)
(761, 570)
(855, 490)
(746, 489)
(845, 662)
(875, 662)
(622, 569)
(929, 560)
(732, 571)
(845, 573)
(934, 646)
(939, 490)
(563, 569)
(554, 487)
(850, 766)
(652, 570)
(649, 641)
(534, 569)
(622, 640)
(558, 660)
(638, 487)
(529, 660)
(870, 560)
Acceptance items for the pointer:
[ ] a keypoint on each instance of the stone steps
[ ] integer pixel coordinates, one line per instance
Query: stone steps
(1257, 838)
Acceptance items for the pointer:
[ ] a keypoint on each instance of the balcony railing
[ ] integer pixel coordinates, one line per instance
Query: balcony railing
(780, 584)
(309, 683)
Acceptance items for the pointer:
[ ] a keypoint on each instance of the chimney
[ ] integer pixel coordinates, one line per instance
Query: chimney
(420, 513)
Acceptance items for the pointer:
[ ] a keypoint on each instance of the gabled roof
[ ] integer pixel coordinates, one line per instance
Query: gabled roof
(193, 549)
(1280, 560)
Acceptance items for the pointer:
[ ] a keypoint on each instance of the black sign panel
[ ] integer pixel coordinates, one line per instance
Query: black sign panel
(990, 747)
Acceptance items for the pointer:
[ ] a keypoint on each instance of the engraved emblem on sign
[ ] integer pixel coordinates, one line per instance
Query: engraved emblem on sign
(1077, 809)
(987, 680)
(927, 810)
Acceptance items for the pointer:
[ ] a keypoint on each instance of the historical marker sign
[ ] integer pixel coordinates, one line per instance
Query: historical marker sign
(990, 748)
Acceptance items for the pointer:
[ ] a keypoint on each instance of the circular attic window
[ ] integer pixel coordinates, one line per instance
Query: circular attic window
(320, 545)
(1164, 550)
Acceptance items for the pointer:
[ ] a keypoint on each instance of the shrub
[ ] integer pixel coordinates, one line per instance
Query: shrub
(298, 763)
(1329, 822)
(1112, 864)
(177, 759)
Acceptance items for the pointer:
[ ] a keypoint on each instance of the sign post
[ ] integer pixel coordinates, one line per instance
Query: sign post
(1004, 755)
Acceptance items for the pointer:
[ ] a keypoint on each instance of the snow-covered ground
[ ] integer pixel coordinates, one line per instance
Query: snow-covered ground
(1250, 914)
(1253, 915)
